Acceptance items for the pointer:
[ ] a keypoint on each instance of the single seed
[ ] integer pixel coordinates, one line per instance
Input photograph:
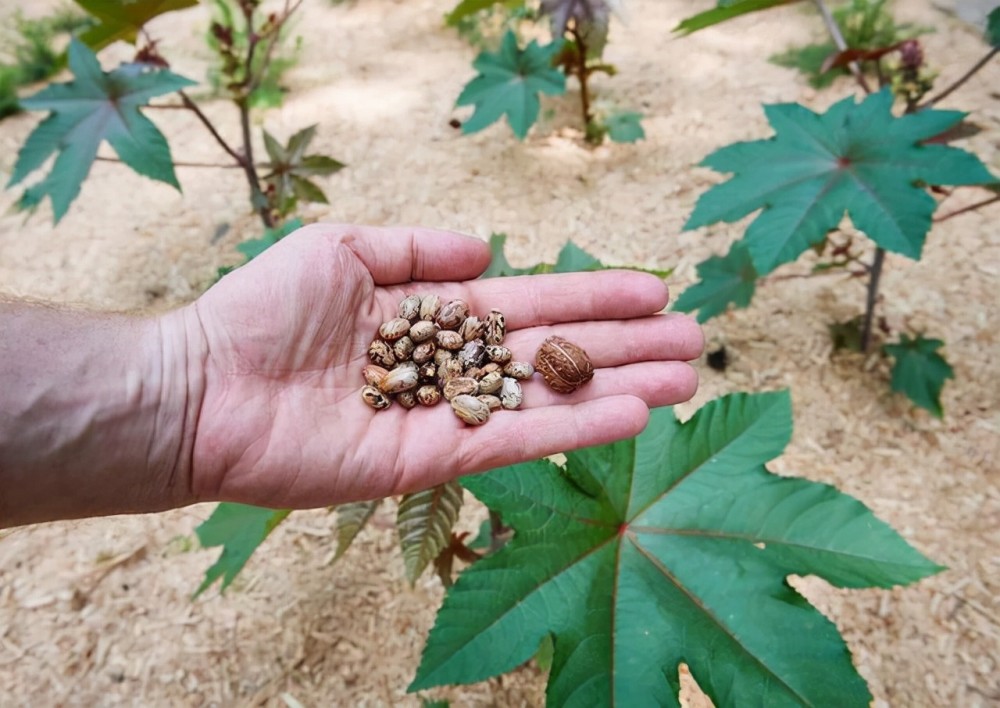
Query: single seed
(374, 374)
(460, 385)
(403, 348)
(394, 329)
(402, 379)
(441, 356)
(498, 353)
(428, 395)
(473, 353)
(491, 383)
(471, 410)
(429, 307)
(492, 401)
(423, 352)
(381, 353)
(452, 314)
(375, 398)
(520, 370)
(496, 327)
(564, 365)
(449, 340)
(472, 328)
(510, 393)
(407, 399)
(422, 331)
(409, 308)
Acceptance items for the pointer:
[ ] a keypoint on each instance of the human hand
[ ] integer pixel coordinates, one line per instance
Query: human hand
(280, 343)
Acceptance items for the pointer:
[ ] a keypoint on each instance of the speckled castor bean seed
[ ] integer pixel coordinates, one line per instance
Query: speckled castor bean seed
(394, 329)
(380, 353)
(429, 307)
(407, 399)
(428, 373)
(449, 370)
(472, 328)
(441, 356)
(460, 385)
(405, 365)
(473, 353)
(447, 339)
(490, 368)
(492, 401)
(423, 352)
(470, 409)
(375, 398)
(498, 353)
(510, 393)
(452, 315)
(491, 383)
(403, 348)
(496, 327)
(374, 374)
(474, 372)
(564, 366)
(520, 370)
(422, 331)
(409, 308)
(403, 378)
(428, 395)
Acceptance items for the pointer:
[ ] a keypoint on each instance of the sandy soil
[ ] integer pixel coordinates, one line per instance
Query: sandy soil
(99, 612)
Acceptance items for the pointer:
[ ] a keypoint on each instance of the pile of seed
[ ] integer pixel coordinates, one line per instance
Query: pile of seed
(436, 350)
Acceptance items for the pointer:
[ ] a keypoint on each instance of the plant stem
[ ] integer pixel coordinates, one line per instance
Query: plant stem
(874, 274)
(838, 39)
(257, 198)
(193, 107)
(966, 209)
(962, 79)
(582, 75)
(181, 163)
(496, 529)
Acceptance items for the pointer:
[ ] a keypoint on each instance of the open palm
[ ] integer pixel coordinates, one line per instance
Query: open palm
(281, 419)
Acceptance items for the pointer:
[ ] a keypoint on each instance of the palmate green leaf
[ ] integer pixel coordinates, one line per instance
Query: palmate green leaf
(571, 259)
(855, 158)
(94, 107)
(725, 280)
(122, 19)
(993, 27)
(726, 11)
(920, 371)
(239, 529)
(289, 169)
(424, 523)
(252, 248)
(671, 547)
(509, 82)
(625, 127)
(351, 518)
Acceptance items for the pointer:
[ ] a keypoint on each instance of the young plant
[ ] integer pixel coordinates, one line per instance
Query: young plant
(857, 159)
(511, 79)
(98, 106)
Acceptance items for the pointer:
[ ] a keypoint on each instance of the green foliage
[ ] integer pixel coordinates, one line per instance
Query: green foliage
(351, 518)
(993, 27)
(624, 127)
(239, 529)
(571, 259)
(509, 82)
(855, 158)
(122, 19)
(290, 169)
(809, 60)
(467, 8)
(424, 522)
(920, 371)
(94, 107)
(671, 547)
(724, 280)
(726, 10)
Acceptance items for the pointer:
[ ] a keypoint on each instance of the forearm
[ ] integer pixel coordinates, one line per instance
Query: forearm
(95, 413)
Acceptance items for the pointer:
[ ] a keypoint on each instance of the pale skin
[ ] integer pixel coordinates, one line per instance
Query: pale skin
(251, 393)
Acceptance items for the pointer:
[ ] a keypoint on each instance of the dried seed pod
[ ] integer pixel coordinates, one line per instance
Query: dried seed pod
(449, 340)
(407, 399)
(409, 308)
(441, 356)
(401, 379)
(459, 385)
(422, 331)
(510, 393)
(374, 374)
(423, 352)
(428, 395)
(520, 370)
(381, 353)
(472, 328)
(498, 353)
(564, 366)
(490, 368)
(428, 372)
(491, 383)
(429, 307)
(449, 370)
(375, 398)
(403, 348)
(496, 327)
(473, 353)
(452, 315)
(492, 401)
(470, 409)
(394, 329)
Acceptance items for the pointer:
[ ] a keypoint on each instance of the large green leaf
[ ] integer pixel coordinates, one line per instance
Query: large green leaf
(993, 27)
(351, 518)
(726, 11)
(94, 107)
(855, 158)
(920, 372)
(122, 19)
(571, 259)
(625, 127)
(670, 547)
(239, 529)
(724, 280)
(509, 82)
(424, 522)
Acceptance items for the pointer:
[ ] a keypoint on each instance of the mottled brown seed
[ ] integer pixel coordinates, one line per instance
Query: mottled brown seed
(429, 307)
(472, 328)
(422, 331)
(405, 365)
(520, 370)
(490, 368)
(402, 379)
(407, 399)
(428, 395)
(403, 348)
(448, 370)
(490, 383)
(496, 327)
(459, 385)
(374, 374)
(375, 398)
(473, 353)
(409, 308)
(564, 365)
(394, 329)
(452, 314)
(470, 409)
(498, 353)
(441, 356)
(380, 353)
(447, 339)
(423, 352)
(492, 401)
(428, 372)
(510, 393)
